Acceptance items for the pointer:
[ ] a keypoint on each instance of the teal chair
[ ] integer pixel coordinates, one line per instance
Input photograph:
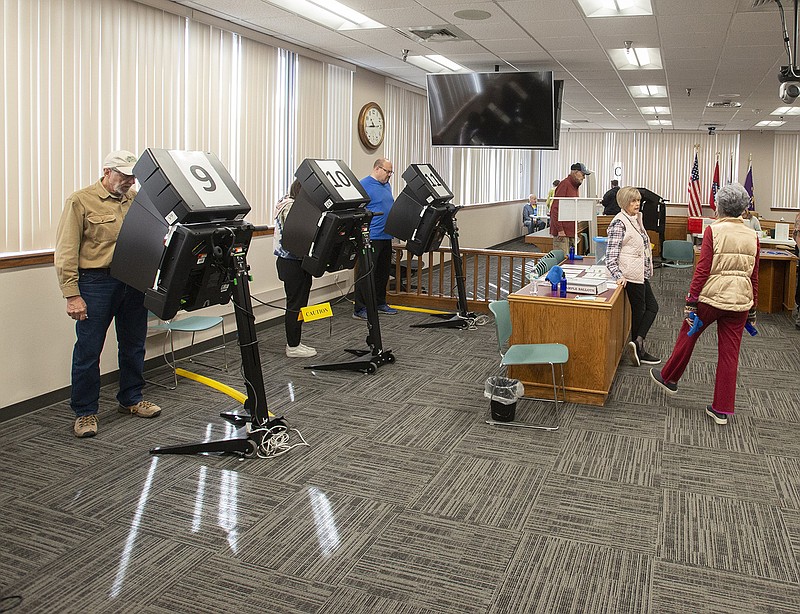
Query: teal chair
(549, 262)
(558, 254)
(677, 254)
(527, 354)
(191, 324)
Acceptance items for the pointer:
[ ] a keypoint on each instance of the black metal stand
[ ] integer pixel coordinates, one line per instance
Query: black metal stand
(246, 441)
(462, 318)
(377, 355)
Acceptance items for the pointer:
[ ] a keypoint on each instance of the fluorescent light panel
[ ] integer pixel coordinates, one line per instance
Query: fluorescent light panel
(434, 63)
(659, 122)
(655, 110)
(615, 8)
(767, 123)
(329, 13)
(636, 58)
(786, 111)
(648, 91)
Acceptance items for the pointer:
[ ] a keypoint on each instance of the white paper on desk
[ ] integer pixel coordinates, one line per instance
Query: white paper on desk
(782, 232)
(598, 271)
(575, 269)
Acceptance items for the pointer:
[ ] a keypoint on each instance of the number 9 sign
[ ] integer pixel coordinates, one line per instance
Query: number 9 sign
(203, 178)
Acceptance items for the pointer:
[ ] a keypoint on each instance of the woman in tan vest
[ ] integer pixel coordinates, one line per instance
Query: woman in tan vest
(630, 261)
(724, 290)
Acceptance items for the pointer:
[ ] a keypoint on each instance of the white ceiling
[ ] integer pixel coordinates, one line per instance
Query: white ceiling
(722, 50)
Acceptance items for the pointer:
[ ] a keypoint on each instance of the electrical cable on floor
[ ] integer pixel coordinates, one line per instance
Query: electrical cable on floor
(275, 441)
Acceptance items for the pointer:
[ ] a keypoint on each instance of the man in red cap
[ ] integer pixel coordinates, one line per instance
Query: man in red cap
(563, 233)
(85, 241)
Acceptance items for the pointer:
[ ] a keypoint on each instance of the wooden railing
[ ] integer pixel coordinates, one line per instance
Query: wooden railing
(430, 280)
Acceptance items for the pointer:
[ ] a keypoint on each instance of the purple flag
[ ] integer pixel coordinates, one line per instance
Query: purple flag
(748, 185)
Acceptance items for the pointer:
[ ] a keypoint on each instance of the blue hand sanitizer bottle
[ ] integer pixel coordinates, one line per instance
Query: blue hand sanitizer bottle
(563, 288)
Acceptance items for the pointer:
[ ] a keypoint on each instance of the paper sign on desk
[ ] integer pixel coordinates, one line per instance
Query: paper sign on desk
(782, 232)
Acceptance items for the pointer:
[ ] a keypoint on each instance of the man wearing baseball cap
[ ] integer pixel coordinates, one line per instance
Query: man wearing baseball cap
(85, 241)
(563, 233)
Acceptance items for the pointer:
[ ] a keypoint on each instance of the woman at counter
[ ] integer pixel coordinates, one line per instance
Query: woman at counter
(630, 261)
(751, 221)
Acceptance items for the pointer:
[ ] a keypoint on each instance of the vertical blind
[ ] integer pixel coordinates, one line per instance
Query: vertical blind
(658, 161)
(786, 184)
(80, 78)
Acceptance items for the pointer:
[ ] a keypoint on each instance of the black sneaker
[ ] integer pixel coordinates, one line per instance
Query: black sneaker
(648, 359)
(718, 417)
(670, 388)
(633, 352)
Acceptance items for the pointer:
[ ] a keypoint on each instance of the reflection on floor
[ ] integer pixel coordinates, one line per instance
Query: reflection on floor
(407, 502)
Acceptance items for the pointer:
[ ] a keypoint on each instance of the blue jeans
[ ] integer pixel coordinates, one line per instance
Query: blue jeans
(106, 299)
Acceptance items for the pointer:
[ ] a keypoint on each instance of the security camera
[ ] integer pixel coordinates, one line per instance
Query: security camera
(712, 130)
(405, 54)
(789, 91)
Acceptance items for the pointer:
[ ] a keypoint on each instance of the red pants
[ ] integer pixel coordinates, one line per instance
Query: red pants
(730, 325)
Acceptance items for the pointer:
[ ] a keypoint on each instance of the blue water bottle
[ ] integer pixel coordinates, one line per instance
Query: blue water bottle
(563, 288)
(571, 253)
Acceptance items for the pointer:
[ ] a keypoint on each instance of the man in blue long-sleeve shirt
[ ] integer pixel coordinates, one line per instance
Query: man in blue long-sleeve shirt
(379, 191)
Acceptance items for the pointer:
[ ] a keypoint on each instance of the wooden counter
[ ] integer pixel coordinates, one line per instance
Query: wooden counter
(777, 279)
(595, 333)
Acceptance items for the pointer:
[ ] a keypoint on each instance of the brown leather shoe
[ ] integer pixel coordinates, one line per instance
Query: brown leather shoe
(143, 409)
(85, 426)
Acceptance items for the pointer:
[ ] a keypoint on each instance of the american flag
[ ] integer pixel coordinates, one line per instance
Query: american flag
(712, 197)
(695, 210)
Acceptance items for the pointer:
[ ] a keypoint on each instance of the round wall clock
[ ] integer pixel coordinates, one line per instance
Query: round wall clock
(371, 125)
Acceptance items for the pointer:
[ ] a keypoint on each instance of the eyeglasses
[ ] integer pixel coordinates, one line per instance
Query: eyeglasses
(387, 171)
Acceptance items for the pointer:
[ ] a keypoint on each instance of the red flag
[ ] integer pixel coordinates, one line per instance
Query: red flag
(695, 210)
(712, 197)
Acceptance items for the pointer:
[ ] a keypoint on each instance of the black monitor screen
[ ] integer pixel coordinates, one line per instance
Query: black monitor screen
(514, 109)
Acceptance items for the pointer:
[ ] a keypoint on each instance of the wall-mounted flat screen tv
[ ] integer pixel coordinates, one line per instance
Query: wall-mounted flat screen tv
(513, 109)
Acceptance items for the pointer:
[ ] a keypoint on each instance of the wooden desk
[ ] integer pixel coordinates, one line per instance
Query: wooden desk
(777, 279)
(595, 333)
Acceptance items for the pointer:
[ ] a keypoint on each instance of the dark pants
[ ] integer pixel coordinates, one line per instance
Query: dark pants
(297, 285)
(730, 325)
(644, 308)
(381, 267)
(107, 298)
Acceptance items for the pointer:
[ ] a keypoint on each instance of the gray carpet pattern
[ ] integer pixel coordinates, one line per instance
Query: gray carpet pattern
(406, 502)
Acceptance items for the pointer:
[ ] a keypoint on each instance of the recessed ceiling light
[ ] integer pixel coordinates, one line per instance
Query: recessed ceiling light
(769, 124)
(434, 63)
(612, 8)
(636, 58)
(648, 91)
(786, 111)
(655, 110)
(331, 14)
(659, 122)
(472, 14)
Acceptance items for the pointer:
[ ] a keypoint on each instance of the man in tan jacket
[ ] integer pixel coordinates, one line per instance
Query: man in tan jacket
(85, 241)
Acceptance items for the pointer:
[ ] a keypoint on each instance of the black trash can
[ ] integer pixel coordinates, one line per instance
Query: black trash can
(503, 393)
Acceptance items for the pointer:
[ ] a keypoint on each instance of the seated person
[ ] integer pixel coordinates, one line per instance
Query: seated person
(751, 221)
(529, 219)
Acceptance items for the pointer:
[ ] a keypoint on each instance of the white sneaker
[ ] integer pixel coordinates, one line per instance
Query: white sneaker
(301, 351)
